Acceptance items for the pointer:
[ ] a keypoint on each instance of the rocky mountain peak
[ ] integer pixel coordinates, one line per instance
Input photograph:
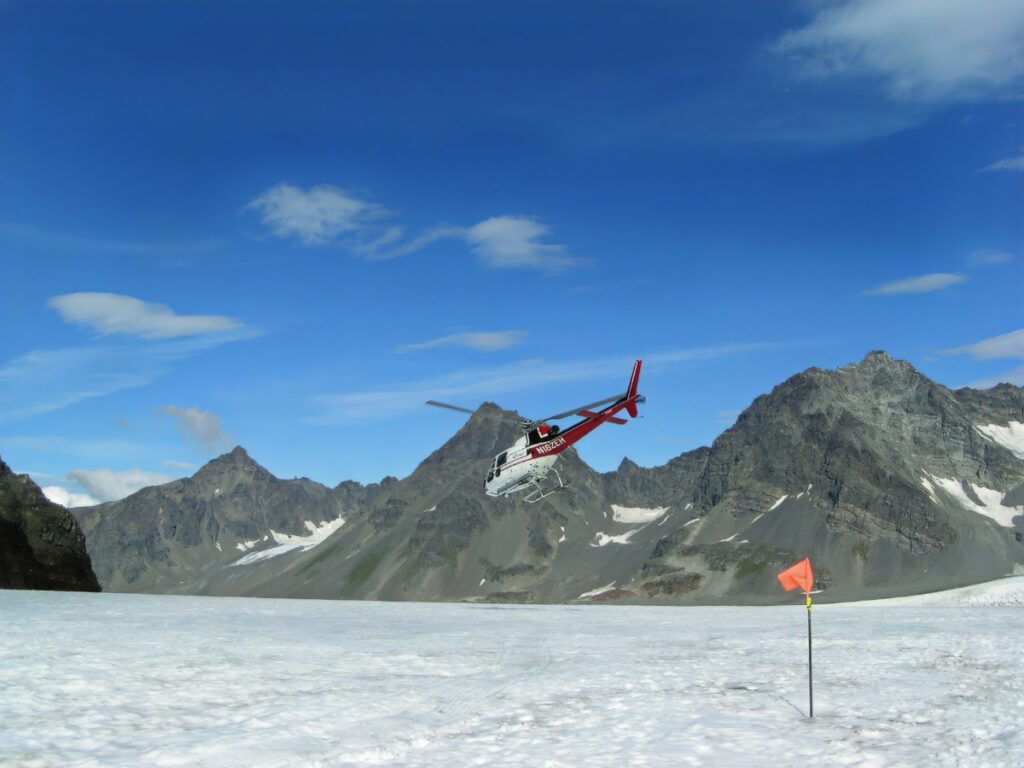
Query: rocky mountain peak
(627, 465)
(489, 430)
(230, 468)
(237, 457)
(879, 361)
(878, 357)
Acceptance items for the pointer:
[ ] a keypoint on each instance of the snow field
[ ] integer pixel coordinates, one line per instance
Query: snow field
(285, 543)
(637, 514)
(991, 501)
(97, 680)
(1010, 436)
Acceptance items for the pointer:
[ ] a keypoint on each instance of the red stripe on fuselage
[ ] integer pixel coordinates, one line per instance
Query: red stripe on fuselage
(568, 437)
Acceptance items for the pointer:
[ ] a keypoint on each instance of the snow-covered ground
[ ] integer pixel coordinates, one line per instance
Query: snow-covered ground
(119, 680)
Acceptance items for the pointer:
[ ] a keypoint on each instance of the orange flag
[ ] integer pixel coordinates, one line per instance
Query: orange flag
(799, 576)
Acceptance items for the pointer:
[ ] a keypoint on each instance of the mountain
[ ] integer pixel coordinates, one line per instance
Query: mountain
(172, 537)
(41, 544)
(893, 484)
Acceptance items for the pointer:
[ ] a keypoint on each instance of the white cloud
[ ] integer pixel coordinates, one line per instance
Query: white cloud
(1007, 164)
(920, 284)
(327, 215)
(513, 242)
(202, 428)
(107, 485)
(482, 341)
(1008, 346)
(985, 257)
(921, 50)
(112, 313)
(66, 498)
(469, 386)
(319, 216)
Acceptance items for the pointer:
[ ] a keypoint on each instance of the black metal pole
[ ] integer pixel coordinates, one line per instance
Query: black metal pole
(810, 668)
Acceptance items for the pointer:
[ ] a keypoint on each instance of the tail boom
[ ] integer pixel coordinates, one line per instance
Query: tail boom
(632, 398)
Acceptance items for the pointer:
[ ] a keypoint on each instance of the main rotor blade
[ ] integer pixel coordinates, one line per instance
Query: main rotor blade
(574, 411)
(450, 407)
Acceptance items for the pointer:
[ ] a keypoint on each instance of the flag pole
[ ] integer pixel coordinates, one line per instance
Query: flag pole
(810, 668)
(801, 576)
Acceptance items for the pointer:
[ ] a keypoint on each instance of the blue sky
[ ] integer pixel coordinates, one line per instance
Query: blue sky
(287, 225)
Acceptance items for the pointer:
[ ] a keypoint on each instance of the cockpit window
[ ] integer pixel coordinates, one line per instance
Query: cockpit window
(502, 458)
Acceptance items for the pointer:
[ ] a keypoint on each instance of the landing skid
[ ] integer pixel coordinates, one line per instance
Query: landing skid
(540, 493)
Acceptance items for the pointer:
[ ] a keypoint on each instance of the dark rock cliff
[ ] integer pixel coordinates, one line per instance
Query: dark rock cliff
(41, 544)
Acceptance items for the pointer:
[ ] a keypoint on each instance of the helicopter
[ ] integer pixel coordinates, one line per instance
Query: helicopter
(525, 464)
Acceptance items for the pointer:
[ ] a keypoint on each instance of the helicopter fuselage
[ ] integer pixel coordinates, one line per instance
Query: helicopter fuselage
(521, 466)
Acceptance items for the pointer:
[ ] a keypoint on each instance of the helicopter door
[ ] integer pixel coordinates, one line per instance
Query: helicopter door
(499, 463)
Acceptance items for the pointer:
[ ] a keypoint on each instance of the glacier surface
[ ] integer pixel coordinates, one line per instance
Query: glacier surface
(114, 680)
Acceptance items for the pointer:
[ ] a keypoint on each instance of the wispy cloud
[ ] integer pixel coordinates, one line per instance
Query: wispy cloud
(43, 381)
(112, 313)
(1014, 376)
(388, 247)
(172, 251)
(48, 380)
(201, 428)
(179, 466)
(1015, 164)
(318, 216)
(108, 485)
(1008, 346)
(328, 215)
(482, 341)
(919, 284)
(500, 242)
(471, 385)
(100, 448)
(987, 258)
(925, 51)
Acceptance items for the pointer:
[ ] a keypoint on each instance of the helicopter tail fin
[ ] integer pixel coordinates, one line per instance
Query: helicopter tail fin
(631, 394)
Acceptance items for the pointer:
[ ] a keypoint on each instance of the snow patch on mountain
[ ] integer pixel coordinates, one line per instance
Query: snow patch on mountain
(285, 542)
(598, 591)
(1011, 437)
(989, 501)
(622, 538)
(637, 514)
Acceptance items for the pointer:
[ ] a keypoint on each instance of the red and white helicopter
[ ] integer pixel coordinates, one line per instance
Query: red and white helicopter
(527, 462)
